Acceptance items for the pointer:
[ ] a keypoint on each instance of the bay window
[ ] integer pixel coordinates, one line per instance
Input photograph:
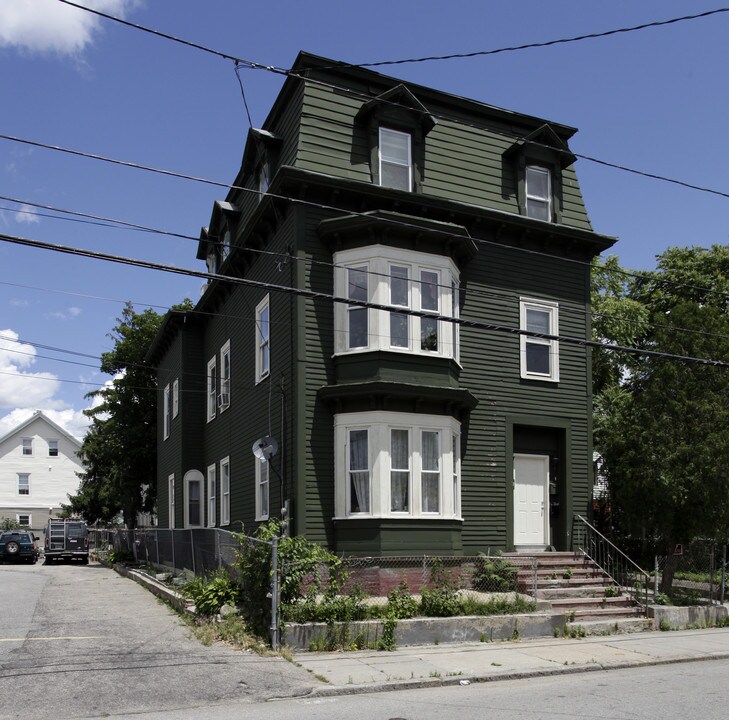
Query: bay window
(408, 282)
(396, 464)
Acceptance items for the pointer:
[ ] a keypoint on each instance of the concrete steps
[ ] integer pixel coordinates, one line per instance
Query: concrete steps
(588, 597)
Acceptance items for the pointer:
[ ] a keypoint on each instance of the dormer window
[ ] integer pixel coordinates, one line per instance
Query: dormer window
(538, 192)
(395, 159)
(263, 179)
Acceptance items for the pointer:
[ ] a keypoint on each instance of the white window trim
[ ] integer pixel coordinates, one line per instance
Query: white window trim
(225, 491)
(57, 448)
(553, 309)
(378, 260)
(166, 413)
(171, 500)
(18, 485)
(261, 341)
(224, 394)
(29, 446)
(175, 398)
(260, 514)
(211, 494)
(409, 163)
(28, 515)
(379, 425)
(539, 198)
(212, 388)
(201, 482)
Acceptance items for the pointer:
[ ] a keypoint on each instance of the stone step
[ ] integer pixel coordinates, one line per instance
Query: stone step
(609, 613)
(613, 626)
(583, 603)
(586, 591)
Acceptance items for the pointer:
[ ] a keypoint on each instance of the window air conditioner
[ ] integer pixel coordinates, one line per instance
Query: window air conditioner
(223, 400)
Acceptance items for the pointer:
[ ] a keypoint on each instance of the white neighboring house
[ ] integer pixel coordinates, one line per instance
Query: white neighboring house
(38, 466)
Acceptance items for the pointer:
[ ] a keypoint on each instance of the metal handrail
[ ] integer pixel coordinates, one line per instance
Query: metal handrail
(607, 561)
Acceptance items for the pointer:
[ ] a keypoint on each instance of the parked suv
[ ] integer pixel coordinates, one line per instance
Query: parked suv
(18, 545)
(66, 539)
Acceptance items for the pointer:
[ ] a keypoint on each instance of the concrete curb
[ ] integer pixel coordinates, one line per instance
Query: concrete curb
(155, 587)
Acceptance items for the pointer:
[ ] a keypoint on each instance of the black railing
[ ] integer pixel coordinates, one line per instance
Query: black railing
(626, 574)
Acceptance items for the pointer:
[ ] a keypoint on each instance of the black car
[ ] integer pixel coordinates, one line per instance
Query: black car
(18, 545)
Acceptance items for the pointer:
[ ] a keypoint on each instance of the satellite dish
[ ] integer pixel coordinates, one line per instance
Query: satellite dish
(265, 448)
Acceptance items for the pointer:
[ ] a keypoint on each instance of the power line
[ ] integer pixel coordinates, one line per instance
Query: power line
(547, 43)
(314, 295)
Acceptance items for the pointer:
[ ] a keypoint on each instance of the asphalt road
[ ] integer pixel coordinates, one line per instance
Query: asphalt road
(81, 641)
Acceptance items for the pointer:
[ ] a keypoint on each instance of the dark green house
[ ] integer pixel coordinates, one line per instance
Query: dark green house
(397, 278)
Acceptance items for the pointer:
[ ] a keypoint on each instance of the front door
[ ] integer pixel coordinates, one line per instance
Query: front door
(531, 502)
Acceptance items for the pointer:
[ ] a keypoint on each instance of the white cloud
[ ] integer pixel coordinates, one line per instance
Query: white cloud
(48, 26)
(21, 388)
(16, 302)
(27, 214)
(74, 422)
(70, 313)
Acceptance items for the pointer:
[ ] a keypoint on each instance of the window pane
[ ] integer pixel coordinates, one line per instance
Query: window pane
(53, 448)
(399, 286)
(394, 146)
(428, 290)
(399, 336)
(263, 324)
(537, 321)
(359, 471)
(430, 476)
(537, 357)
(23, 484)
(400, 466)
(263, 490)
(538, 209)
(395, 176)
(357, 327)
(431, 450)
(27, 446)
(357, 283)
(193, 502)
(537, 182)
(429, 334)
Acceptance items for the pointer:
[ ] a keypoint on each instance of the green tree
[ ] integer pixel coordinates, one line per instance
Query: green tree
(663, 429)
(119, 453)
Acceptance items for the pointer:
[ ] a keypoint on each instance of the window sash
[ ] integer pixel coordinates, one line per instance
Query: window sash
(23, 483)
(540, 356)
(399, 470)
(538, 193)
(175, 398)
(53, 448)
(359, 471)
(430, 459)
(262, 495)
(225, 492)
(166, 412)
(263, 339)
(27, 446)
(395, 158)
(212, 388)
(357, 317)
(171, 500)
(194, 503)
(211, 495)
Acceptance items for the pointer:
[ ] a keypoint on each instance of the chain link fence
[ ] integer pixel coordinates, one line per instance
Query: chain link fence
(696, 571)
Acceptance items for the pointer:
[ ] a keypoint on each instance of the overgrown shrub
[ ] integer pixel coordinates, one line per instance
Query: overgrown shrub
(442, 599)
(400, 603)
(494, 574)
(209, 593)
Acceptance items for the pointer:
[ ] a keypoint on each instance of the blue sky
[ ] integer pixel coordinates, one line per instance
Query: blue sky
(654, 100)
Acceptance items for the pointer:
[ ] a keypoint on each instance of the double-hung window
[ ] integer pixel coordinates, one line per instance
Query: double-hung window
(27, 446)
(212, 492)
(395, 159)
(539, 353)
(171, 500)
(404, 465)
(262, 488)
(53, 448)
(212, 388)
(538, 192)
(263, 339)
(225, 491)
(224, 397)
(23, 484)
(193, 504)
(410, 283)
(167, 409)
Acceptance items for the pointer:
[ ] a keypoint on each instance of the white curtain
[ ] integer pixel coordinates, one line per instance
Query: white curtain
(359, 472)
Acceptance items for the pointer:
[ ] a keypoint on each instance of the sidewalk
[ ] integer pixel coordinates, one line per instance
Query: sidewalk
(376, 671)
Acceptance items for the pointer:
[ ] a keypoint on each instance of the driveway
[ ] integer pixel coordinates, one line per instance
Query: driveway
(81, 641)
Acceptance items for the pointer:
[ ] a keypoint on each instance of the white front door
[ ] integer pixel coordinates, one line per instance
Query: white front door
(531, 502)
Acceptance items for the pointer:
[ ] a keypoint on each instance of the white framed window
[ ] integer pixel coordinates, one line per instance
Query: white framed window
(167, 409)
(24, 519)
(539, 355)
(212, 494)
(27, 446)
(263, 179)
(397, 465)
(53, 448)
(262, 489)
(212, 388)
(407, 281)
(263, 340)
(23, 483)
(224, 396)
(538, 181)
(171, 500)
(225, 246)
(395, 159)
(193, 499)
(175, 398)
(225, 491)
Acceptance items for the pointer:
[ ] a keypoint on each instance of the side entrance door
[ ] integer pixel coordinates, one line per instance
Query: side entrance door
(531, 502)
